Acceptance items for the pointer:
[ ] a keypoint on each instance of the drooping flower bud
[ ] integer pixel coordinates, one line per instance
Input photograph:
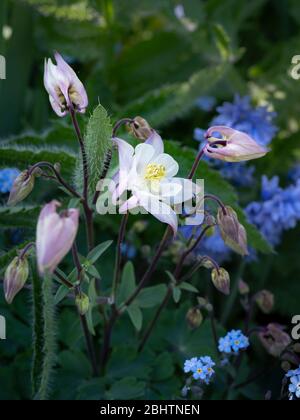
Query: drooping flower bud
(21, 188)
(64, 88)
(265, 301)
(233, 233)
(140, 128)
(82, 302)
(221, 280)
(15, 277)
(55, 235)
(244, 288)
(194, 317)
(274, 339)
(234, 146)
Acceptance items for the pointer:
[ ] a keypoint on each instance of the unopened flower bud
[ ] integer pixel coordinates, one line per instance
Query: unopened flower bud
(296, 348)
(233, 233)
(265, 301)
(194, 318)
(274, 339)
(55, 236)
(207, 263)
(82, 303)
(57, 167)
(286, 366)
(140, 128)
(221, 280)
(21, 188)
(244, 289)
(15, 277)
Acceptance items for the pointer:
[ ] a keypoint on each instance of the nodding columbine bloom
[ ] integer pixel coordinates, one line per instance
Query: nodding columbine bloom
(55, 236)
(233, 342)
(233, 146)
(15, 277)
(150, 175)
(64, 88)
(21, 188)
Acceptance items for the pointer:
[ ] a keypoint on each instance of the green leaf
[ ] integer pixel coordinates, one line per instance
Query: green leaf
(164, 105)
(126, 389)
(151, 296)
(25, 156)
(128, 283)
(176, 294)
(96, 253)
(136, 316)
(189, 287)
(92, 294)
(97, 144)
(60, 294)
(163, 367)
(21, 216)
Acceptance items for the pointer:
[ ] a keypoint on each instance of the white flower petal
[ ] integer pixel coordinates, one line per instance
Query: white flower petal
(156, 141)
(169, 163)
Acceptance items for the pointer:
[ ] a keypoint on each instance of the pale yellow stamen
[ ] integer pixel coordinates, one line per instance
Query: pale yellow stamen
(155, 172)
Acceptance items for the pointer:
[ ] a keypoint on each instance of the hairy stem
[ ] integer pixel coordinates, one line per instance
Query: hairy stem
(49, 348)
(38, 333)
(117, 269)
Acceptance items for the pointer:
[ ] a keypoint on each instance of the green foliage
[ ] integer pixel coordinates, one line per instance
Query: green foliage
(97, 144)
(21, 216)
(165, 104)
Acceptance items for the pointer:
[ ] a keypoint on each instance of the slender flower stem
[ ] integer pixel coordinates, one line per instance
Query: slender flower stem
(123, 121)
(214, 329)
(169, 292)
(196, 164)
(116, 312)
(151, 267)
(87, 210)
(26, 249)
(217, 200)
(87, 335)
(57, 175)
(117, 270)
(65, 281)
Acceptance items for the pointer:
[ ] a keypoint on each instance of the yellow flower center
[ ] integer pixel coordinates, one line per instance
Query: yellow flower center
(199, 370)
(155, 172)
(237, 343)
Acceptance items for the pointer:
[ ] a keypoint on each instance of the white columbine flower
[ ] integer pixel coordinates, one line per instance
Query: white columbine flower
(150, 175)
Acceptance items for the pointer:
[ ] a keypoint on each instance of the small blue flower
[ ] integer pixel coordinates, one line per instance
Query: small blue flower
(189, 365)
(278, 211)
(233, 342)
(199, 134)
(7, 178)
(294, 386)
(201, 368)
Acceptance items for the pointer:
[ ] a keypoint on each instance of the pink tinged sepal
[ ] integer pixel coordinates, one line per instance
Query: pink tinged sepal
(234, 146)
(64, 87)
(15, 278)
(55, 236)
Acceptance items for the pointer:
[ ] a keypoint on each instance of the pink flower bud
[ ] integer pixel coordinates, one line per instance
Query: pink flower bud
(64, 88)
(233, 233)
(55, 236)
(15, 277)
(234, 146)
(274, 339)
(265, 301)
